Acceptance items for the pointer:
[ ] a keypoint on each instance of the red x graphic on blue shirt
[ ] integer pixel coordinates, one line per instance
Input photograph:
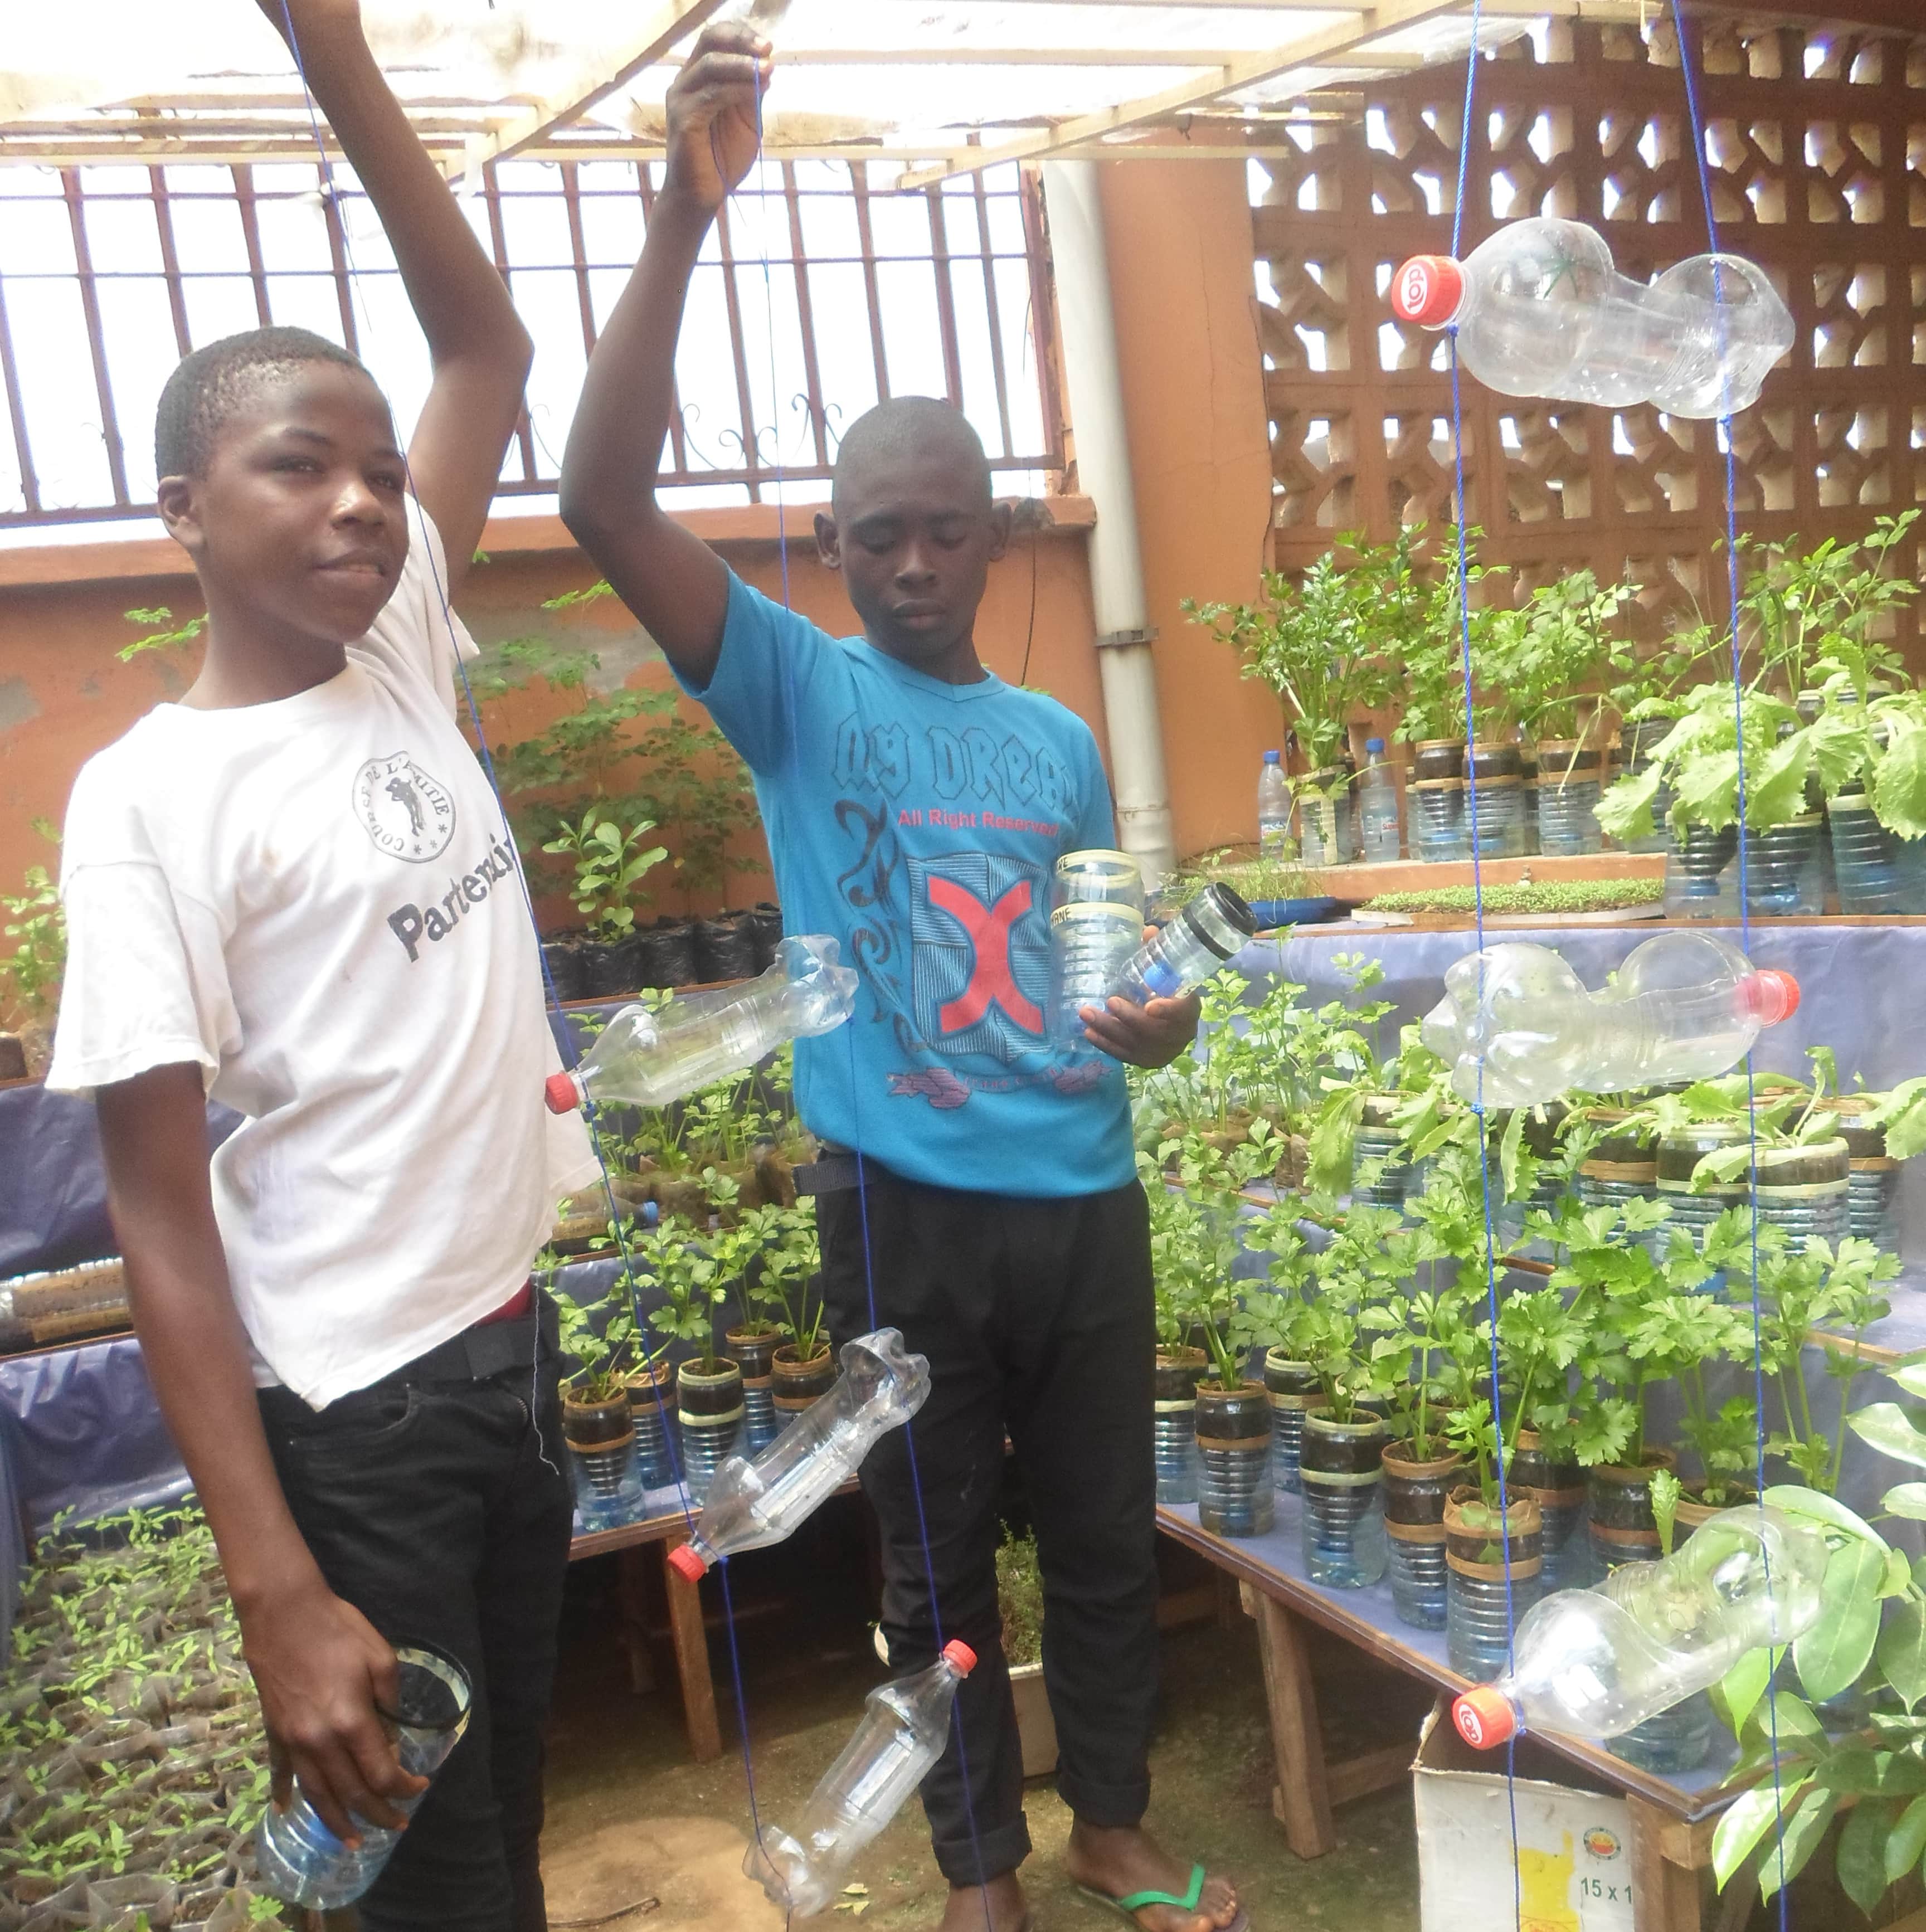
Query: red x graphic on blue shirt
(990, 979)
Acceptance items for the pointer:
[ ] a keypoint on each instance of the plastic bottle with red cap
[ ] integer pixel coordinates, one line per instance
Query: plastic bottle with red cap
(881, 1386)
(1598, 1662)
(1518, 1026)
(902, 1734)
(648, 1059)
(1539, 310)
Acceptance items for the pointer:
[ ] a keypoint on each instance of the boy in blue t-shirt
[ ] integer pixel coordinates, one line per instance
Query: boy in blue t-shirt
(978, 1189)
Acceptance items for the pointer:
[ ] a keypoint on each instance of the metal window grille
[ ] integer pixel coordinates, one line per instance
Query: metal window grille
(817, 296)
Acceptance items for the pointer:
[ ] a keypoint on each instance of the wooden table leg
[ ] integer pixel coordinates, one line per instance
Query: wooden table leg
(1669, 1862)
(1300, 1799)
(691, 1642)
(632, 1607)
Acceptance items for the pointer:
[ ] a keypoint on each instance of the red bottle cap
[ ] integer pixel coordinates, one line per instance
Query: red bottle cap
(1428, 289)
(1771, 995)
(960, 1657)
(561, 1094)
(1484, 1717)
(684, 1560)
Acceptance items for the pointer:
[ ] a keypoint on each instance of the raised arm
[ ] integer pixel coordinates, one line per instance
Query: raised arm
(319, 1666)
(668, 577)
(479, 350)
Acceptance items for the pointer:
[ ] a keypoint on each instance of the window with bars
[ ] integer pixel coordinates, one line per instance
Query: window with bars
(818, 295)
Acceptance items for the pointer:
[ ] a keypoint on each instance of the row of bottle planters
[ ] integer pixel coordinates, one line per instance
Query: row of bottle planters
(681, 1425)
(1367, 1511)
(1848, 1184)
(734, 945)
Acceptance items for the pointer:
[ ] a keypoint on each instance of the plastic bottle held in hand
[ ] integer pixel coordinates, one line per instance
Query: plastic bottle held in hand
(1274, 807)
(751, 1503)
(300, 1860)
(1186, 951)
(1378, 806)
(1539, 310)
(901, 1735)
(1598, 1662)
(649, 1059)
(1519, 1026)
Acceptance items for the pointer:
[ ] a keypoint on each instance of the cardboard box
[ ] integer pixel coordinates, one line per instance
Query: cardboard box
(1573, 1870)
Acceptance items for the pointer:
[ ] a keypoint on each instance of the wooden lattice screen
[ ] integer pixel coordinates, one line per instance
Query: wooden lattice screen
(1817, 141)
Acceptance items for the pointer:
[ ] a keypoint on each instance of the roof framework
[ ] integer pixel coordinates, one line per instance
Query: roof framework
(939, 87)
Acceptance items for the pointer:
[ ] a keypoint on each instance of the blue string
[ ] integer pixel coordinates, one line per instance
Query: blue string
(1696, 123)
(554, 999)
(1463, 564)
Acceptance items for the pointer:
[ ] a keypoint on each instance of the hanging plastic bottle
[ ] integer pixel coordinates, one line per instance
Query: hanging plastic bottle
(1598, 1663)
(1274, 807)
(1378, 806)
(901, 1735)
(751, 1503)
(300, 1860)
(1540, 310)
(1190, 949)
(1519, 1026)
(649, 1059)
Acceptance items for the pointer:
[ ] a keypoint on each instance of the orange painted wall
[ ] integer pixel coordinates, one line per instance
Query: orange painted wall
(1180, 242)
(1179, 236)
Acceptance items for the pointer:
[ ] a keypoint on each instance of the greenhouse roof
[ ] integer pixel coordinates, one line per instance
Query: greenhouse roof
(940, 86)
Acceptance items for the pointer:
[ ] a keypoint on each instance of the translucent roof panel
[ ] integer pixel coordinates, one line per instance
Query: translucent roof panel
(911, 77)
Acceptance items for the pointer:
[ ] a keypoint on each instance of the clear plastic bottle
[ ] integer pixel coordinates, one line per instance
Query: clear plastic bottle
(1190, 949)
(1274, 807)
(649, 1059)
(1098, 877)
(300, 1860)
(901, 1735)
(1091, 945)
(1598, 1662)
(1540, 310)
(1519, 1028)
(752, 1504)
(1378, 805)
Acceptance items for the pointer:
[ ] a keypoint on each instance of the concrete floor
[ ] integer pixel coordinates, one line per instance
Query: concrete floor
(630, 1816)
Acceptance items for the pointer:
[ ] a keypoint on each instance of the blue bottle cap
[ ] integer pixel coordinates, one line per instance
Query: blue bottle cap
(1273, 757)
(1374, 744)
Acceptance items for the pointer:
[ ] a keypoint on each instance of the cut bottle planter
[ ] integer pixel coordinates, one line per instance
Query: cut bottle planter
(709, 1402)
(1437, 810)
(1571, 781)
(1173, 1383)
(601, 1438)
(797, 1384)
(1342, 1472)
(1620, 1167)
(1415, 1494)
(1807, 1190)
(1558, 1490)
(1872, 1192)
(652, 1410)
(1694, 873)
(1328, 825)
(1623, 1529)
(1382, 1175)
(754, 1353)
(1635, 742)
(1235, 1495)
(1494, 1566)
(1877, 873)
(1295, 1391)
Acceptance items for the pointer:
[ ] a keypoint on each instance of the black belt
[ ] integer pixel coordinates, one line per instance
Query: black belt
(835, 1170)
(490, 1349)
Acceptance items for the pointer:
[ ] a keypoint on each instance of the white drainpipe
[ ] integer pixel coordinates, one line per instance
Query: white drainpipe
(1123, 632)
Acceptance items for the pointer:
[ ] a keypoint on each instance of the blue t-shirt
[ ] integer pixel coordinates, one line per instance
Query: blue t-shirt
(918, 822)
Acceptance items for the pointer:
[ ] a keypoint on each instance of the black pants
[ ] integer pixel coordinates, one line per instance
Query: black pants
(1035, 1316)
(438, 1506)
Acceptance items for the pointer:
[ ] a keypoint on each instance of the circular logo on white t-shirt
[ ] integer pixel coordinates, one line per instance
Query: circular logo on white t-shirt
(408, 814)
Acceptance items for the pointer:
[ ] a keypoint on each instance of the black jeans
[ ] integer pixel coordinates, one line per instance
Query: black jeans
(1036, 1317)
(439, 1507)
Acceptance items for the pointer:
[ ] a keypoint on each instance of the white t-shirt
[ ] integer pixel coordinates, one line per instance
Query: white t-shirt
(315, 901)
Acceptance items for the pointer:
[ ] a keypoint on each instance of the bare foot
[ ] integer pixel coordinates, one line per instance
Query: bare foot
(998, 1907)
(1118, 1861)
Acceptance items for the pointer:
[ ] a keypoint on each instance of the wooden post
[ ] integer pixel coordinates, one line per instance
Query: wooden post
(1670, 1860)
(1300, 1799)
(692, 1642)
(632, 1606)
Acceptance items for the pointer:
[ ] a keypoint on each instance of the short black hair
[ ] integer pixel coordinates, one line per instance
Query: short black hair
(912, 422)
(209, 385)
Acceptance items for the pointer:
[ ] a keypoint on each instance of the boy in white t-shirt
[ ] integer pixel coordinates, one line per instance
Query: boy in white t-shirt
(293, 891)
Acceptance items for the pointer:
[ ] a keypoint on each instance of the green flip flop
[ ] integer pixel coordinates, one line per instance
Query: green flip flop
(1132, 1903)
